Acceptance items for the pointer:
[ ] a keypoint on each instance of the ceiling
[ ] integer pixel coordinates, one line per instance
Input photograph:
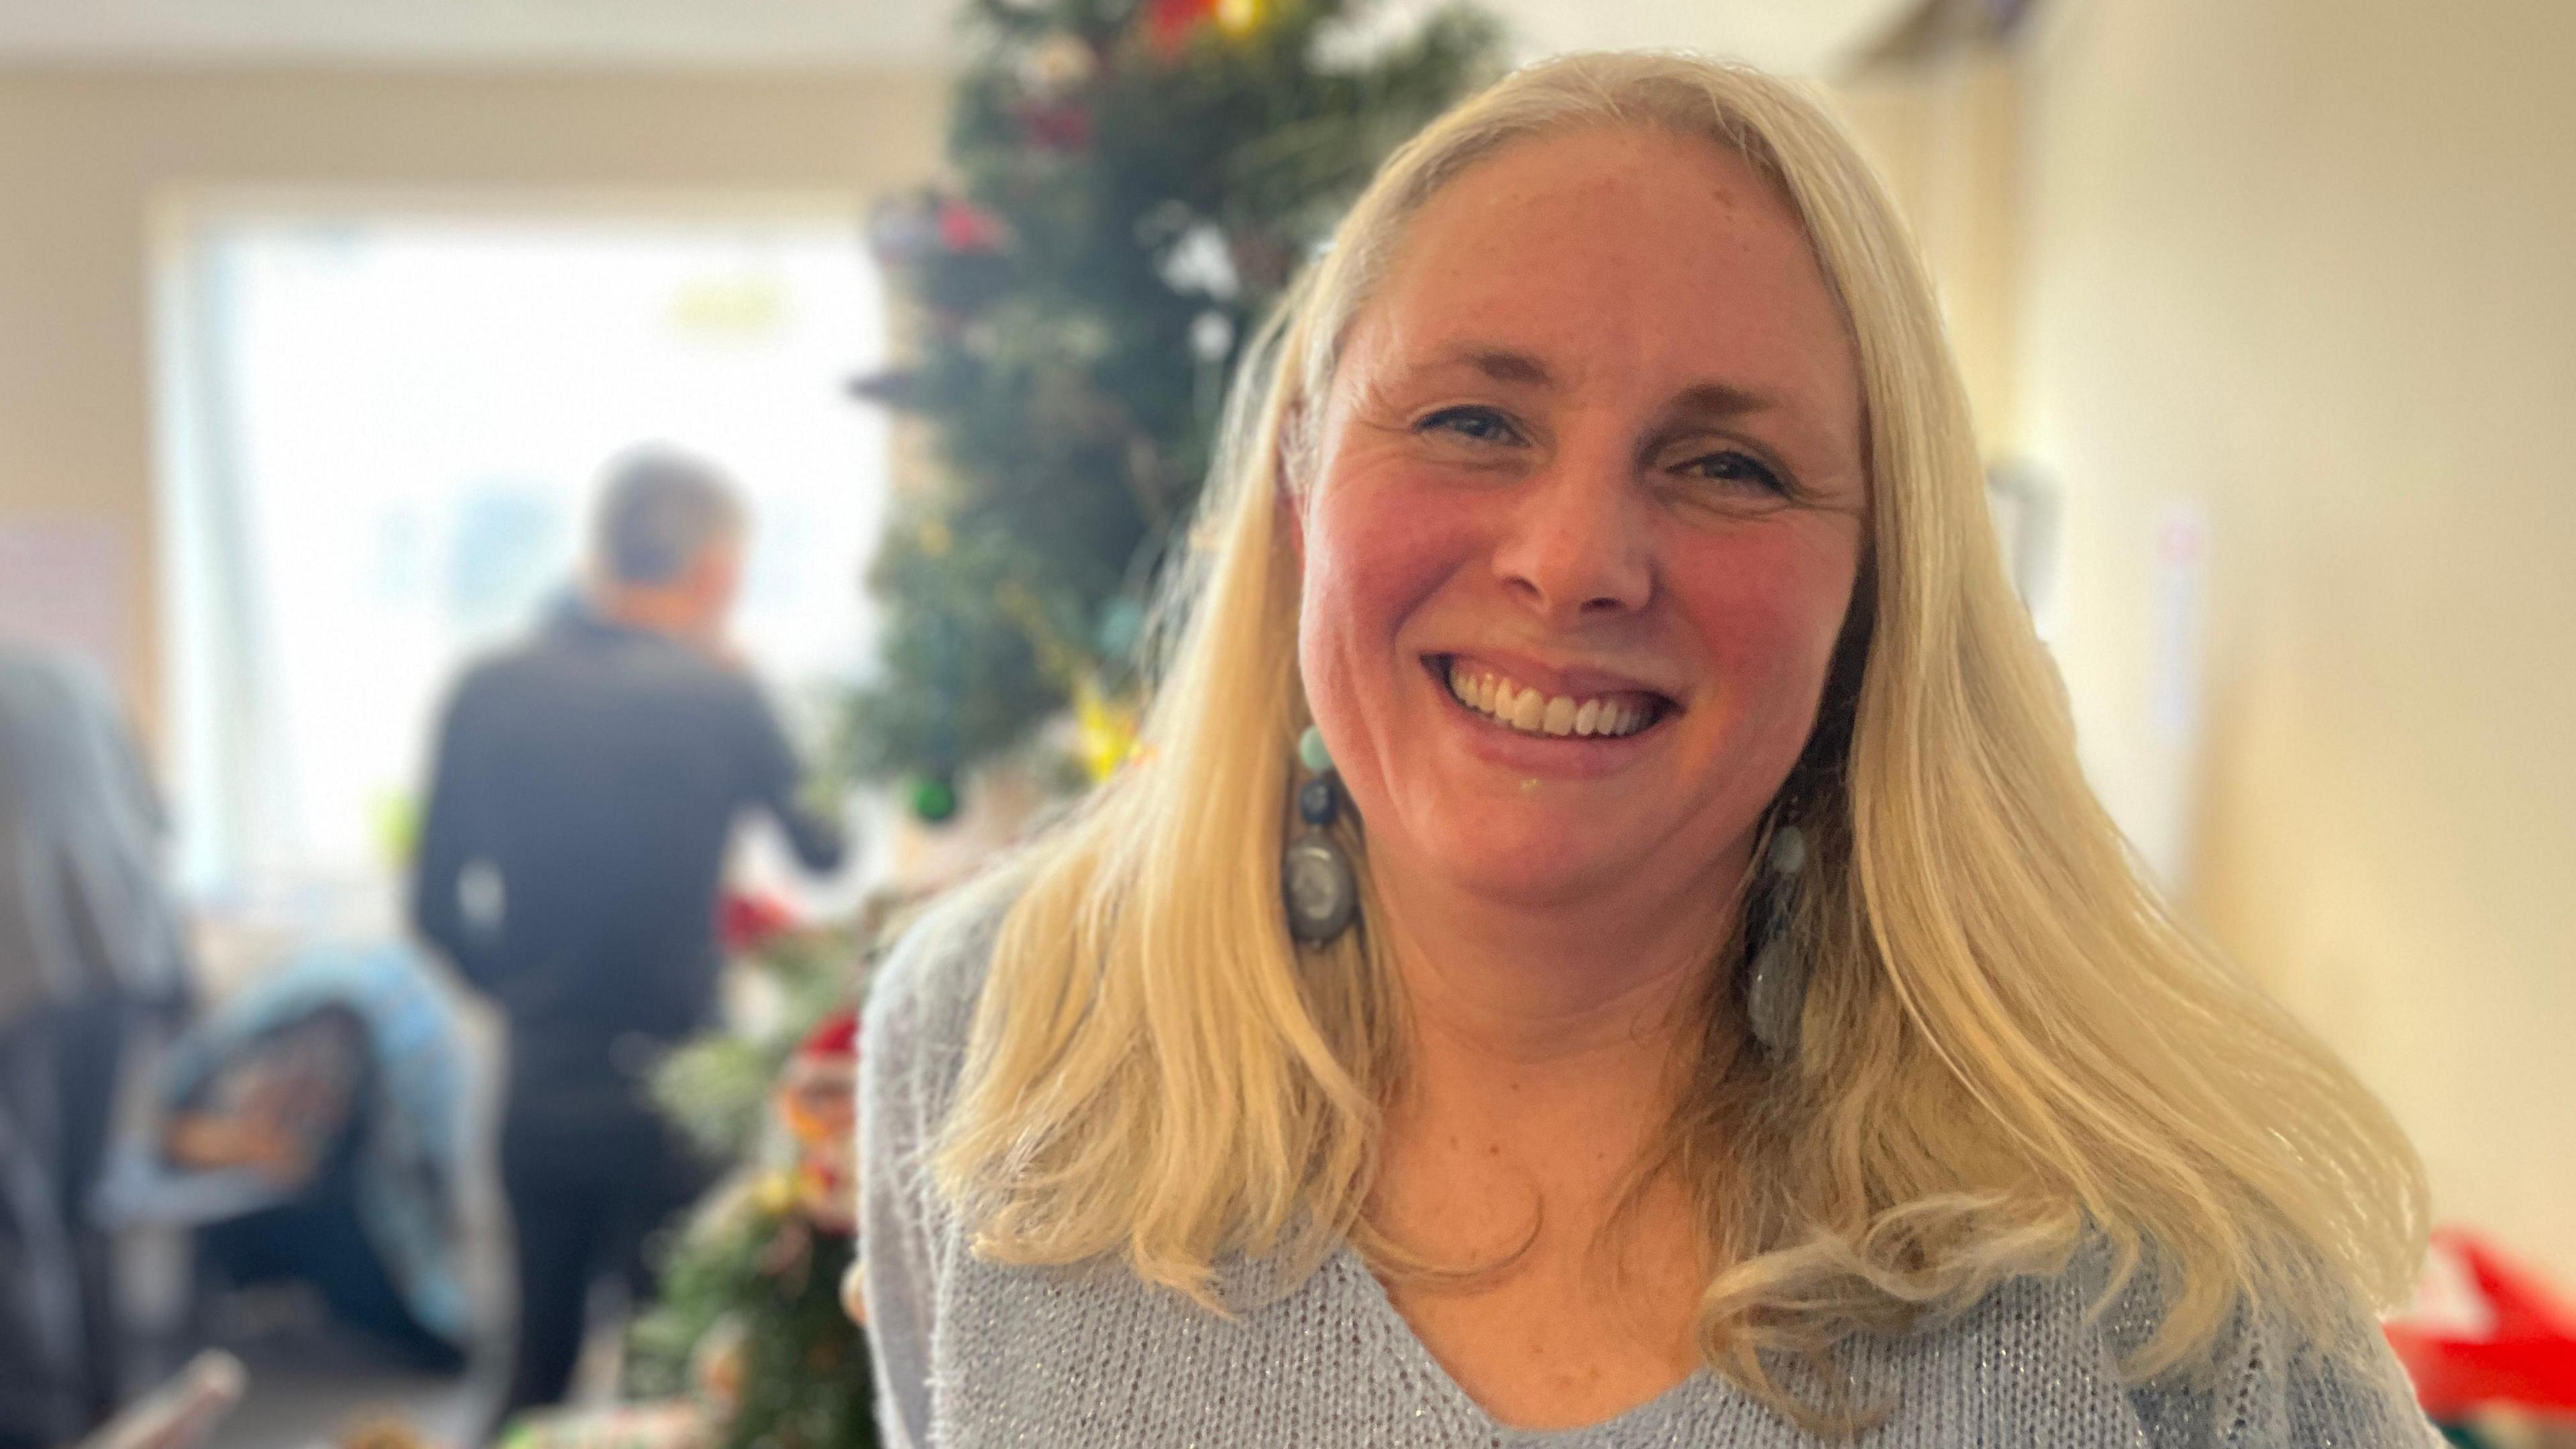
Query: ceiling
(1791, 35)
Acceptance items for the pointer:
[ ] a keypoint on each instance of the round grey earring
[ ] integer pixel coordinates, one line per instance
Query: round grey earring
(1775, 987)
(1316, 884)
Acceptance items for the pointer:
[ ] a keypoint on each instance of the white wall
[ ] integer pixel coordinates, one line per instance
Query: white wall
(2306, 269)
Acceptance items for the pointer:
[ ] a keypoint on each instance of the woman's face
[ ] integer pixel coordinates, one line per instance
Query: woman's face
(1587, 518)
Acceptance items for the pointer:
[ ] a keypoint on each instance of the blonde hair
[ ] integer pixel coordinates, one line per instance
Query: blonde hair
(2007, 1041)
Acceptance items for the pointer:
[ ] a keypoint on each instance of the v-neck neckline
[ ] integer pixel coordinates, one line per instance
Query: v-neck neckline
(1424, 1367)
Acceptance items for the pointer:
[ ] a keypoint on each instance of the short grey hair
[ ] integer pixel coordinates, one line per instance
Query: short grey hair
(658, 509)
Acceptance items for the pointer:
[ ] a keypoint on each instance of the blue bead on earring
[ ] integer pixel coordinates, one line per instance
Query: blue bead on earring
(1315, 881)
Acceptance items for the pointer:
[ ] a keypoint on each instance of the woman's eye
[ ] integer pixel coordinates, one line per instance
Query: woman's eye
(1730, 466)
(1475, 424)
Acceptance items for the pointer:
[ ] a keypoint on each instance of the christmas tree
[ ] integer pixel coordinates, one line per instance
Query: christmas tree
(1135, 183)
(748, 1344)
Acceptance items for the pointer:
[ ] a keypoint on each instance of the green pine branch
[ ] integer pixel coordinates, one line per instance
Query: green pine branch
(1136, 205)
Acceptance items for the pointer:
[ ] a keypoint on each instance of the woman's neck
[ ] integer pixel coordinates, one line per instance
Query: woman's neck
(1531, 986)
(1543, 1054)
(1530, 1029)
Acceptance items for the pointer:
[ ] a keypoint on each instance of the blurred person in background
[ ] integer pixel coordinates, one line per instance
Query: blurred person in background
(587, 785)
(89, 936)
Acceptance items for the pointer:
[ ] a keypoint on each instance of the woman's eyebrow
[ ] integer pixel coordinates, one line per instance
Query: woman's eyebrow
(1722, 400)
(1700, 403)
(1511, 365)
(1502, 364)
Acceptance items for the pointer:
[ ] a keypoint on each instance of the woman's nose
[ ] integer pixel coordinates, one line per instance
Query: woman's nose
(1576, 546)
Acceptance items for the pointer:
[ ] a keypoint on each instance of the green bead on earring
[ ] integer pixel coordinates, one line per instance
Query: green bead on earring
(1312, 752)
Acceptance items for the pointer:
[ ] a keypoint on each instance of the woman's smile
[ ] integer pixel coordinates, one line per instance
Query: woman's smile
(1534, 721)
(1510, 696)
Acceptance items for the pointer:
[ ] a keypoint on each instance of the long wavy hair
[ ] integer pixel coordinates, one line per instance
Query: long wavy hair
(2007, 1043)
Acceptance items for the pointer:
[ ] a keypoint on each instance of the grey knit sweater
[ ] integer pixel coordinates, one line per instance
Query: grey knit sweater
(970, 1353)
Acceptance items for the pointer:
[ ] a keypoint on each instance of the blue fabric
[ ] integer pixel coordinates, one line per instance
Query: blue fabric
(411, 1126)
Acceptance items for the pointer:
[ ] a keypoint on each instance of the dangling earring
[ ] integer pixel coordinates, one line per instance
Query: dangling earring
(1775, 988)
(1315, 880)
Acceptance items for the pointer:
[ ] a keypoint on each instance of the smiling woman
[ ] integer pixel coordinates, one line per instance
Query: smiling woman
(1750, 1030)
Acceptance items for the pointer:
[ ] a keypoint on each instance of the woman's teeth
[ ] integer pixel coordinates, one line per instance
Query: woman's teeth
(1533, 713)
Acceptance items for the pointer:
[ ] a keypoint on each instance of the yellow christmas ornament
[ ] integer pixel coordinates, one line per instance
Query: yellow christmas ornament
(1106, 729)
(776, 1193)
(1240, 17)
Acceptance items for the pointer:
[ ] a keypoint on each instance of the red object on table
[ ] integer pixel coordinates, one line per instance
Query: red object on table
(2484, 1331)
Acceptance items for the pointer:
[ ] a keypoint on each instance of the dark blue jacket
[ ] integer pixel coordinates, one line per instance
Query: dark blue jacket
(587, 782)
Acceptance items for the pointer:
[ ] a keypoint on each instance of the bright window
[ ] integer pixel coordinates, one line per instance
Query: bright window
(384, 434)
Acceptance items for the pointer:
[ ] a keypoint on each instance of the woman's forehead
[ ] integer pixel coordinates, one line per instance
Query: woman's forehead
(1616, 255)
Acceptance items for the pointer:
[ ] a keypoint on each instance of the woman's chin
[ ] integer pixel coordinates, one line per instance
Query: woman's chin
(1528, 865)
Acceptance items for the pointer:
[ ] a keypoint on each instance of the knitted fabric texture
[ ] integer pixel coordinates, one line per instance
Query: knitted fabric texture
(972, 1353)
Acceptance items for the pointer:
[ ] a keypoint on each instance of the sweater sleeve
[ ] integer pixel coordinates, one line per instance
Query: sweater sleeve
(894, 1236)
(920, 1006)
(2276, 1387)
(2370, 1402)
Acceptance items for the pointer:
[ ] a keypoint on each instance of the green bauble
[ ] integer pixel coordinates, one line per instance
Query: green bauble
(933, 799)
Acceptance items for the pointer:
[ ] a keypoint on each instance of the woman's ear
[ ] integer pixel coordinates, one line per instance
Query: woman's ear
(1287, 493)
(1291, 520)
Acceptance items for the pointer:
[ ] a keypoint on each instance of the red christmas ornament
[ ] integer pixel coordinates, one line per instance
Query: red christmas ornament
(966, 227)
(834, 1037)
(1170, 23)
(746, 922)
